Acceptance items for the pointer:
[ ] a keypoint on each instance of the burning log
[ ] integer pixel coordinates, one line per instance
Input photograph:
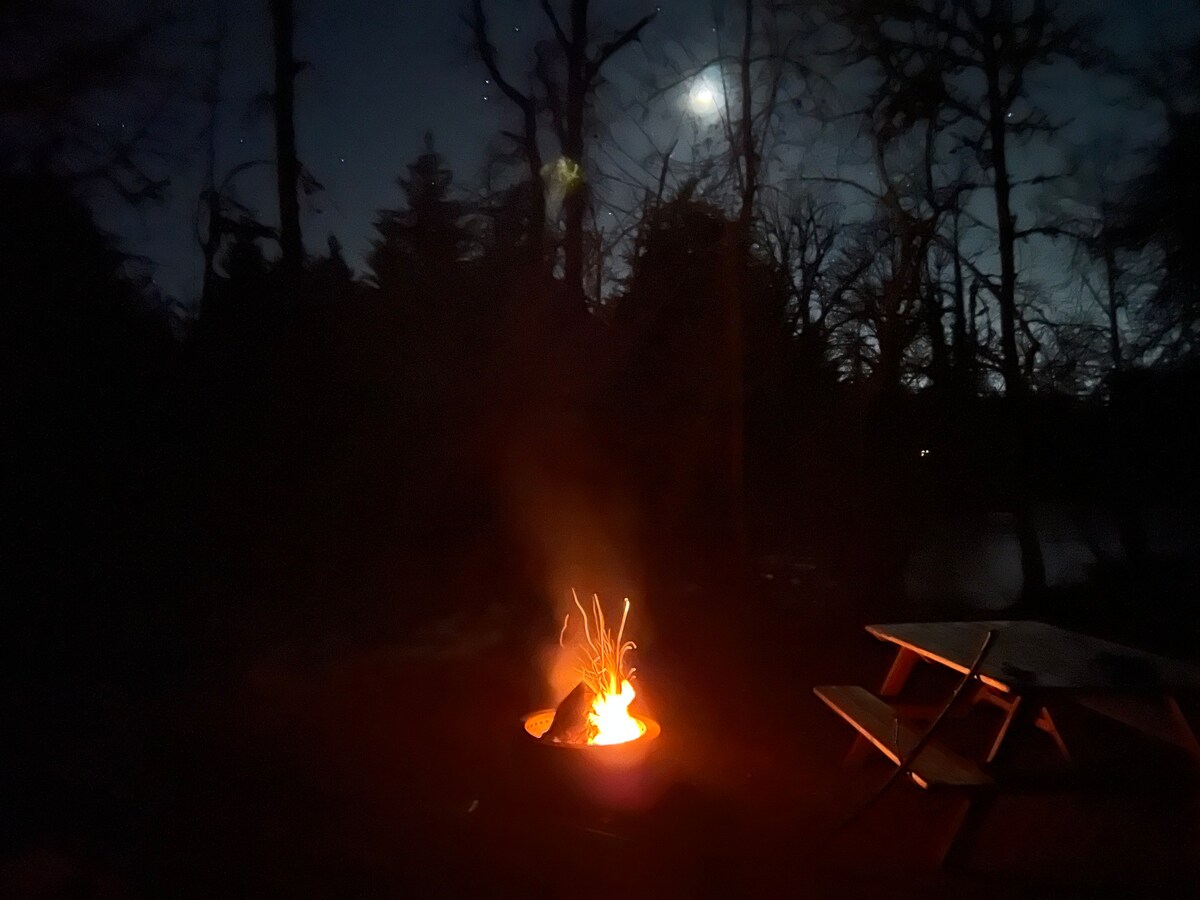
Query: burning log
(571, 724)
(596, 712)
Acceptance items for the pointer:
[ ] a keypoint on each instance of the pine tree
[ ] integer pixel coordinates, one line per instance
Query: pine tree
(421, 246)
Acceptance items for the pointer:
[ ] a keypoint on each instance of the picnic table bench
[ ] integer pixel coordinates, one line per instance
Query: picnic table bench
(1027, 668)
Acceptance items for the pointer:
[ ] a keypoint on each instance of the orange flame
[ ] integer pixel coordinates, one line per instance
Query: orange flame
(602, 668)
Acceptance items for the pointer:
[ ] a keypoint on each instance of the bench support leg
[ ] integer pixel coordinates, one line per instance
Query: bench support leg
(954, 839)
(898, 674)
(972, 810)
(893, 683)
(1003, 730)
(1046, 723)
(1187, 737)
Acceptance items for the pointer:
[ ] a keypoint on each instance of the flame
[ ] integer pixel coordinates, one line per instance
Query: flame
(602, 667)
(611, 719)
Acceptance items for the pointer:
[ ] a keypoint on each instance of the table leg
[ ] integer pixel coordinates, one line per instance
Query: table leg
(893, 683)
(1045, 721)
(897, 675)
(1005, 727)
(951, 845)
(1020, 716)
(1187, 737)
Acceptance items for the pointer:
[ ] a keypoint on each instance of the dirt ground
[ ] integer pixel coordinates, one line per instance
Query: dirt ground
(397, 768)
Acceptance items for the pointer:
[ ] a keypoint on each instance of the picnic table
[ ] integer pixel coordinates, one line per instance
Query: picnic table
(1027, 669)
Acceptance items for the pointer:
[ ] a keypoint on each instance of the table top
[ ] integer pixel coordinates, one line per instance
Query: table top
(1025, 655)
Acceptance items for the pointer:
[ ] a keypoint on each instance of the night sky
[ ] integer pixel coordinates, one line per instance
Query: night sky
(383, 73)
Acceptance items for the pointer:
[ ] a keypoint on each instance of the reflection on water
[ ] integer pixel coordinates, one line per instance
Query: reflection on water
(976, 559)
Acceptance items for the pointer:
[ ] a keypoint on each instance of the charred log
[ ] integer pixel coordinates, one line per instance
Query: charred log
(570, 724)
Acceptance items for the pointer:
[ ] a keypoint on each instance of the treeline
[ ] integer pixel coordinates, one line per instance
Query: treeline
(745, 367)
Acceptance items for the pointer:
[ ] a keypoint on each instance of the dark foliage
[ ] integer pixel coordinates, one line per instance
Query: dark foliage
(91, 414)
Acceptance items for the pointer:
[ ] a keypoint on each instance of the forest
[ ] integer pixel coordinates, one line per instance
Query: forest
(878, 281)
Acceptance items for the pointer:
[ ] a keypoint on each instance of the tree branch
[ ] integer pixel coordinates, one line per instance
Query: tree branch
(606, 51)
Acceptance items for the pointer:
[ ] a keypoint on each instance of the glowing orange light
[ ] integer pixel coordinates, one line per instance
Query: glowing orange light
(603, 669)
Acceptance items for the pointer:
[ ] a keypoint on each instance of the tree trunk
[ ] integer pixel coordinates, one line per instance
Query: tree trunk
(749, 163)
(287, 165)
(962, 359)
(528, 106)
(1112, 307)
(212, 240)
(739, 249)
(537, 212)
(940, 362)
(1010, 364)
(939, 354)
(1033, 565)
(575, 201)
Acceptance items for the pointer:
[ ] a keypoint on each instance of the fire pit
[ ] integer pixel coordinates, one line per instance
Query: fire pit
(537, 723)
(595, 715)
(610, 772)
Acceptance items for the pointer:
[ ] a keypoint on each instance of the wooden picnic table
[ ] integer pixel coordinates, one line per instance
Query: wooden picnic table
(1026, 655)
(1028, 670)
(1033, 661)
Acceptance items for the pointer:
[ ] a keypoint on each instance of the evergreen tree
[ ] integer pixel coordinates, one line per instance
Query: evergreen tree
(421, 245)
(331, 280)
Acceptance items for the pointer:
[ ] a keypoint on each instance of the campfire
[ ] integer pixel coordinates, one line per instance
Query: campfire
(596, 712)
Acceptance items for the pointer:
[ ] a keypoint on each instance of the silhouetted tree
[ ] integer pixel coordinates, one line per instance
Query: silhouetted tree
(568, 72)
(71, 67)
(1159, 215)
(87, 367)
(331, 280)
(219, 214)
(287, 163)
(421, 245)
(671, 336)
(974, 60)
(527, 140)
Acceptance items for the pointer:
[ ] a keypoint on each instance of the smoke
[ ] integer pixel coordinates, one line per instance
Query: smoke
(579, 533)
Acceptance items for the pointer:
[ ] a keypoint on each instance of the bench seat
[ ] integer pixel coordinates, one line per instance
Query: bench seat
(876, 720)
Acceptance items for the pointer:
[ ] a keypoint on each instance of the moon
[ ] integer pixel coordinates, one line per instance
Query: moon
(702, 100)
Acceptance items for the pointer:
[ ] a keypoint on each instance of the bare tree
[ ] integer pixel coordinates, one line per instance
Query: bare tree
(61, 106)
(527, 139)
(976, 57)
(1088, 215)
(287, 163)
(567, 76)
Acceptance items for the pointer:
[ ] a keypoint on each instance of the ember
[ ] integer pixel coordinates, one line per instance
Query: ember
(596, 712)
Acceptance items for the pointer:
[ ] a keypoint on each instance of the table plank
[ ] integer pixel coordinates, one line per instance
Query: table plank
(1027, 655)
(876, 721)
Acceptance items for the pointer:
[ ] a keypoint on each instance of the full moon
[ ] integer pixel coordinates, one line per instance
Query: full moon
(702, 100)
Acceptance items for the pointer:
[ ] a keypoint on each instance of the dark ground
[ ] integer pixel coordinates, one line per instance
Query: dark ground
(379, 765)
